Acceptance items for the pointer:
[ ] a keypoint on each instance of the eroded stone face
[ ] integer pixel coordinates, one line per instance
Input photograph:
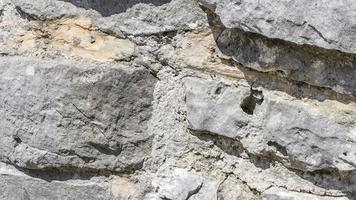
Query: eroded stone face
(111, 7)
(298, 134)
(307, 64)
(181, 184)
(280, 194)
(16, 185)
(233, 113)
(311, 65)
(65, 115)
(328, 24)
(75, 37)
(198, 51)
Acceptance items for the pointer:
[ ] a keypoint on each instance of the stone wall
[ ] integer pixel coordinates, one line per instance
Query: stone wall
(177, 100)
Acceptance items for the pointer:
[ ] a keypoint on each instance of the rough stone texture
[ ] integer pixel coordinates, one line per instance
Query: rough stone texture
(177, 99)
(299, 62)
(268, 123)
(281, 194)
(56, 114)
(181, 184)
(110, 7)
(15, 185)
(328, 24)
(76, 37)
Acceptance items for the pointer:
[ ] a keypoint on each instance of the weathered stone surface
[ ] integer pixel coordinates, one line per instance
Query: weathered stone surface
(328, 24)
(282, 194)
(267, 123)
(181, 184)
(139, 19)
(76, 37)
(15, 185)
(142, 100)
(60, 114)
(234, 189)
(315, 66)
(110, 7)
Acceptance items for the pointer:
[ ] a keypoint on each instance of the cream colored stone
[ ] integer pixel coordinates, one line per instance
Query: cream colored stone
(27, 41)
(199, 54)
(77, 37)
(122, 188)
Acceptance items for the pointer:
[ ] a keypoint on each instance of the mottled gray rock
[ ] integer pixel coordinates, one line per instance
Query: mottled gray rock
(15, 185)
(313, 65)
(139, 19)
(111, 7)
(290, 130)
(168, 18)
(59, 114)
(49, 9)
(233, 189)
(283, 194)
(82, 115)
(328, 24)
(180, 184)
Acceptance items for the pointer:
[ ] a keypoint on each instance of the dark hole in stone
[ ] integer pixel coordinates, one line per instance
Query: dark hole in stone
(281, 73)
(345, 153)
(17, 139)
(218, 90)
(248, 105)
(279, 147)
(110, 7)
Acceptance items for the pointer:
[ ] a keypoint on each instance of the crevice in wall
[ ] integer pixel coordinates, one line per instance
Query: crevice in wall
(280, 148)
(24, 15)
(330, 179)
(226, 144)
(64, 173)
(312, 65)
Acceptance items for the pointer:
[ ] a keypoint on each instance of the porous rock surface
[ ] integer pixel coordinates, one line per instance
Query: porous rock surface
(177, 99)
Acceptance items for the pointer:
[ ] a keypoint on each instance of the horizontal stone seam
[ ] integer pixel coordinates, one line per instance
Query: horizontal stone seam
(276, 159)
(303, 191)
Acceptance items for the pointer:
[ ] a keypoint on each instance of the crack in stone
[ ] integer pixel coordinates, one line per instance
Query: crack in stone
(256, 158)
(25, 15)
(319, 33)
(194, 192)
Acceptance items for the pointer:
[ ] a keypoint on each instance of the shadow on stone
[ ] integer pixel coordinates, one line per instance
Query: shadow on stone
(248, 105)
(234, 147)
(291, 71)
(226, 144)
(110, 7)
(65, 173)
(332, 179)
